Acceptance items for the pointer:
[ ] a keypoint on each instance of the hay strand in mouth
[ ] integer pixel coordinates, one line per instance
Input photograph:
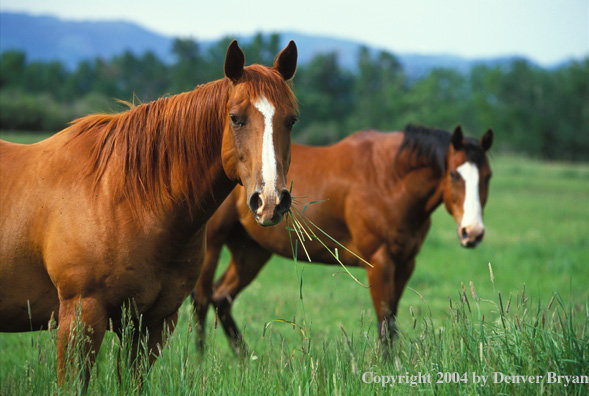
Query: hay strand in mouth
(302, 226)
(297, 228)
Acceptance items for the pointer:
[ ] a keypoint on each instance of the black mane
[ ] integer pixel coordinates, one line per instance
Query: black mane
(430, 145)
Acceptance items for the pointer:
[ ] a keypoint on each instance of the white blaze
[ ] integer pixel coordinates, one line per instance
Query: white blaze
(268, 155)
(473, 213)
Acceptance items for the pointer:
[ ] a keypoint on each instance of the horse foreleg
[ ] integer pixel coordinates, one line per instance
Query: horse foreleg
(381, 281)
(82, 324)
(387, 282)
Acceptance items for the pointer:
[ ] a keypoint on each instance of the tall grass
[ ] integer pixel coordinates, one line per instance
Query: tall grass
(531, 340)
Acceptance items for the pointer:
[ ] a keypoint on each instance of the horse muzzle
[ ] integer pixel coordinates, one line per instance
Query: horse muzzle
(471, 236)
(269, 208)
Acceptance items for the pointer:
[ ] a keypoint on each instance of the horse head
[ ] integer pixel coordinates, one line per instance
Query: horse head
(466, 184)
(261, 112)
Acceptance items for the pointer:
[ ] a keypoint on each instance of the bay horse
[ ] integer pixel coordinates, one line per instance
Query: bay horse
(113, 209)
(379, 191)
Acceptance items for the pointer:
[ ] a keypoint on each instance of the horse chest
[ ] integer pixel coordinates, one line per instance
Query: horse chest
(158, 277)
(404, 241)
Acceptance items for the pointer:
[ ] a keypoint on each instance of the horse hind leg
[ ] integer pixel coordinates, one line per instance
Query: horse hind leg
(203, 293)
(200, 303)
(223, 226)
(140, 346)
(246, 263)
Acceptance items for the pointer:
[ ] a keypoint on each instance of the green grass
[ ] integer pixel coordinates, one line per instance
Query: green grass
(537, 236)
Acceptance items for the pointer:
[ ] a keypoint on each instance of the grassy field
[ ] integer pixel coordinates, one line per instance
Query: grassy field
(458, 327)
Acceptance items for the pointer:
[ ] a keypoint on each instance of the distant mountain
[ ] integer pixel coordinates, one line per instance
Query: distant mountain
(46, 38)
(415, 65)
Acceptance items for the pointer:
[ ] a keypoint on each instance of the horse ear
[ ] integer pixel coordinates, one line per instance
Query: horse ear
(234, 62)
(286, 61)
(487, 140)
(457, 138)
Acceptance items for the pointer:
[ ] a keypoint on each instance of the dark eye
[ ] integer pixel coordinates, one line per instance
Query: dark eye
(454, 176)
(290, 121)
(236, 121)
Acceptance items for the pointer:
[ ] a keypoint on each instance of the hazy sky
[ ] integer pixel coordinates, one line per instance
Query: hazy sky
(547, 31)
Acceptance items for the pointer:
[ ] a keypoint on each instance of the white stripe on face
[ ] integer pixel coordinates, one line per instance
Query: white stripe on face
(472, 205)
(268, 155)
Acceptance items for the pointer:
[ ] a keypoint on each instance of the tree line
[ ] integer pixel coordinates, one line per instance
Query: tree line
(535, 111)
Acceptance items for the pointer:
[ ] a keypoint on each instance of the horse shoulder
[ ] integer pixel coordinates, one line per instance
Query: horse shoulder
(382, 211)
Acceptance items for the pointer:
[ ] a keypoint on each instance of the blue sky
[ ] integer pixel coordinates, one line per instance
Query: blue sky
(547, 31)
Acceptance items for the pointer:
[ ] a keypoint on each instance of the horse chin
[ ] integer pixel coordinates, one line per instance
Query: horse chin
(470, 236)
(469, 244)
(268, 216)
(265, 221)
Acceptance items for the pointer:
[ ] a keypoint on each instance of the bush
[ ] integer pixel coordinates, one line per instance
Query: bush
(42, 112)
(31, 112)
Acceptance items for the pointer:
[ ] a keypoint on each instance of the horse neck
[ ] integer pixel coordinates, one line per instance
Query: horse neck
(198, 180)
(423, 182)
(170, 151)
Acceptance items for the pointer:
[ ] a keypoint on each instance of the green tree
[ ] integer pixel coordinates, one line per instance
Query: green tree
(153, 81)
(141, 77)
(484, 100)
(324, 91)
(189, 68)
(525, 108)
(215, 59)
(12, 67)
(441, 99)
(262, 49)
(540, 112)
(378, 91)
(570, 104)
(43, 77)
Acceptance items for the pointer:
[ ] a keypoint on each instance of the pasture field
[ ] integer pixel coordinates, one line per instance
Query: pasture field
(459, 323)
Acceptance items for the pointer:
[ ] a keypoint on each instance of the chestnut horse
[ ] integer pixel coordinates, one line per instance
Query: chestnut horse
(113, 209)
(380, 190)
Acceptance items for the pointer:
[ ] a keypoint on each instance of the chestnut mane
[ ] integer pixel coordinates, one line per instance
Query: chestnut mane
(164, 148)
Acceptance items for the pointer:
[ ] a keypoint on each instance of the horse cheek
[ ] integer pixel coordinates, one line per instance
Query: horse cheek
(230, 158)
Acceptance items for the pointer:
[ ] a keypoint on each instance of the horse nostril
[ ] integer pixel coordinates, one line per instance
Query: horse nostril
(480, 236)
(284, 202)
(463, 232)
(255, 202)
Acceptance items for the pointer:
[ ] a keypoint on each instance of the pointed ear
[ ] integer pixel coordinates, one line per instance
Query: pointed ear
(286, 61)
(234, 62)
(457, 138)
(487, 140)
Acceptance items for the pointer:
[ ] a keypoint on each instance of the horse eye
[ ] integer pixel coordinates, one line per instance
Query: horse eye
(454, 176)
(291, 121)
(236, 121)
